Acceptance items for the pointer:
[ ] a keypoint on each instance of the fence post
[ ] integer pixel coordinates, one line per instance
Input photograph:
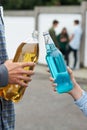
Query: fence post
(83, 43)
(36, 17)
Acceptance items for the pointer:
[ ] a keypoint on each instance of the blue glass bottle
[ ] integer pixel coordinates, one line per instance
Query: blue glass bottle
(57, 66)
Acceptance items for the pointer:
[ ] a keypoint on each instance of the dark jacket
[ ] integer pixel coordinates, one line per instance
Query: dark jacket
(3, 75)
(53, 36)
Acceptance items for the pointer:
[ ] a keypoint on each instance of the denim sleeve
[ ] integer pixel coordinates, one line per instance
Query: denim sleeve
(3, 75)
(82, 103)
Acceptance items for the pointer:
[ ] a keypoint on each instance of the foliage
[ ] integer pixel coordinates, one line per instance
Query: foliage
(30, 4)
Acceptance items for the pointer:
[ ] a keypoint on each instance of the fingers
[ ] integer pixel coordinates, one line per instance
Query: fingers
(51, 79)
(17, 72)
(24, 78)
(25, 72)
(48, 70)
(70, 72)
(53, 84)
(27, 64)
(22, 83)
(21, 80)
(71, 75)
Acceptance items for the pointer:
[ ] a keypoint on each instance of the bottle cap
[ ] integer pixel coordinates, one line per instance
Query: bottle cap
(35, 34)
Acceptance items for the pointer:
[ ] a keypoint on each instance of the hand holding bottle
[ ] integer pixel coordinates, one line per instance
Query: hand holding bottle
(20, 73)
(76, 92)
(16, 72)
(57, 66)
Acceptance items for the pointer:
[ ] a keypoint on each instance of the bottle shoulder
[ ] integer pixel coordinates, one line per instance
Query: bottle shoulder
(54, 53)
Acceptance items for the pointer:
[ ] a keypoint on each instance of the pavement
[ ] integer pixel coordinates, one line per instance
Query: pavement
(80, 74)
(43, 109)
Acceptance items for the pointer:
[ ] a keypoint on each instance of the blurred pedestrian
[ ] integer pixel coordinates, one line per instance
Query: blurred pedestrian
(63, 40)
(74, 43)
(53, 33)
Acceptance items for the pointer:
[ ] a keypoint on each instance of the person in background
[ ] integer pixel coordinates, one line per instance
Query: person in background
(10, 73)
(77, 93)
(52, 32)
(74, 43)
(63, 40)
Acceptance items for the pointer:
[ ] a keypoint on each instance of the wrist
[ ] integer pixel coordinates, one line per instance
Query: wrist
(76, 92)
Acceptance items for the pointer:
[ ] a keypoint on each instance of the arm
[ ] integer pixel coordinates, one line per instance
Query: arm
(3, 75)
(78, 94)
(70, 39)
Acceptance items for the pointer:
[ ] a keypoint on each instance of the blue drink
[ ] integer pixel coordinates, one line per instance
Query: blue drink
(57, 66)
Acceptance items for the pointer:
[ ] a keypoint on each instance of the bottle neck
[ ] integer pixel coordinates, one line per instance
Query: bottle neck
(33, 38)
(49, 44)
(50, 47)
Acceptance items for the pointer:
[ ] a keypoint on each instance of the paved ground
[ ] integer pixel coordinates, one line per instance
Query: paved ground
(43, 109)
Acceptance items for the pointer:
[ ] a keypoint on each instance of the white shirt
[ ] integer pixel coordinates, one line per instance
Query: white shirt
(75, 42)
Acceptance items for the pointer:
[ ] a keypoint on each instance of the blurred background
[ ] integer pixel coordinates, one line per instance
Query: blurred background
(21, 17)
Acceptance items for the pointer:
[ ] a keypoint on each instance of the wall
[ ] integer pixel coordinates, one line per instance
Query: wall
(85, 61)
(17, 29)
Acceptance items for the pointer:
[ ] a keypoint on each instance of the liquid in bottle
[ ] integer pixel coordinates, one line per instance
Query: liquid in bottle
(26, 52)
(57, 66)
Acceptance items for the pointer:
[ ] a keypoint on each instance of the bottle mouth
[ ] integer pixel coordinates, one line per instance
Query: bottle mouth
(35, 34)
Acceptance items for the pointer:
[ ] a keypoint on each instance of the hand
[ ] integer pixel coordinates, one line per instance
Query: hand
(16, 72)
(52, 80)
(76, 92)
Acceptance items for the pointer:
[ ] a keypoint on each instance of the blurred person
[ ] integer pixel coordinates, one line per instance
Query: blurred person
(74, 43)
(52, 32)
(77, 93)
(63, 40)
(10, 73)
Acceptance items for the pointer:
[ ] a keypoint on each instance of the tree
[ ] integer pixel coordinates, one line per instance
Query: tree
(30, 4)
(53, 2)
(12, 4)
(21, 4)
